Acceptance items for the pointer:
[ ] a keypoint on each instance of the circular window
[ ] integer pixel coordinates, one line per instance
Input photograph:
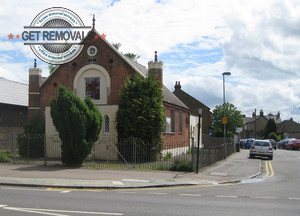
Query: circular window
(92, 51)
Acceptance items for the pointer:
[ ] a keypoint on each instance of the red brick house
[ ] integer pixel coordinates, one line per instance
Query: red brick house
(99, 71)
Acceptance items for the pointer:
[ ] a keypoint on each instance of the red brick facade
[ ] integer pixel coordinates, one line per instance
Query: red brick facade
(118, 70)
(177, 139)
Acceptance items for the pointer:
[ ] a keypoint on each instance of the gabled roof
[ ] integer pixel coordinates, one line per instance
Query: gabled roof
(12, 92)
(288, 126)
(169, 97)
(189, 100)
(112, 47)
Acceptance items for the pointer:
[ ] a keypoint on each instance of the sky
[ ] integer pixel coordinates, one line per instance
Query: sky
(197, 40)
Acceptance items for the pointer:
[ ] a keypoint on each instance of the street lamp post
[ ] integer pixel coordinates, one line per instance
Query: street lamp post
(198, 142)
(224, 120)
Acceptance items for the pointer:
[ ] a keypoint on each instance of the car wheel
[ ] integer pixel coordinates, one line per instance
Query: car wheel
(271, 157)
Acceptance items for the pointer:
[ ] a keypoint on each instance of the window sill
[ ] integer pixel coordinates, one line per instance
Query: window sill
(171, 133)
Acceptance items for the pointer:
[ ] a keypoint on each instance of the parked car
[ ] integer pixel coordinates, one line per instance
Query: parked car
(293, 144)
(242, 143)
(274, 143)
(262, 148)
(249, 142)
(282, 143)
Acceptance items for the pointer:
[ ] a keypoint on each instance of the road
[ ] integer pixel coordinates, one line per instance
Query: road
(275, 192)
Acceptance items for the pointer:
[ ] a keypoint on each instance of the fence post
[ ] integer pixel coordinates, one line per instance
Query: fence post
(193, 155)
(14, 148)
(45, 151)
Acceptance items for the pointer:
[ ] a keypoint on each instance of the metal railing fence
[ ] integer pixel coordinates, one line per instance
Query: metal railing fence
(107, 152)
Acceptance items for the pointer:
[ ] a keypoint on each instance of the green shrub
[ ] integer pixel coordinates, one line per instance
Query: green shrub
(182, 165)
(168, 156)
(4, 158)
(31, 142)
(273, 136)
(31, 146)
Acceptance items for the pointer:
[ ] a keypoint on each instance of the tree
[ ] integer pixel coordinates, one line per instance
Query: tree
(31, 141)
(132, 56)
(141, 115)
(234, 119)
(270, 127)
(78, 124)
(51, 68)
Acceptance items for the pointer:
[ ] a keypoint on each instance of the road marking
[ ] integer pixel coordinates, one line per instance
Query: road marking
(56, 212)
(157, 193)
(269, 170)
(262, 197)
(223, 196)
(294, 198)
(193, 195)
(1, 206)
(64, 191)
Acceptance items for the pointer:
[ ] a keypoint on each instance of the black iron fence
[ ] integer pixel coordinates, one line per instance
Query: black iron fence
(107, 152)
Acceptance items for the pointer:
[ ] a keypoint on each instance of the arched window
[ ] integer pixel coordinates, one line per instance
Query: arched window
(106, 124)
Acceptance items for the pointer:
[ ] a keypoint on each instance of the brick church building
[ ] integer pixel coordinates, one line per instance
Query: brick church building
(99, 71)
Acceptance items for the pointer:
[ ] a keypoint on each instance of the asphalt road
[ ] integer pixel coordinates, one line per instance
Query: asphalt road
(275, 192)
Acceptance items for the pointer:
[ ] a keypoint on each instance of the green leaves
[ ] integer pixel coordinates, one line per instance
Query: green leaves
(141, 114)
(234, 119)
(78, 123)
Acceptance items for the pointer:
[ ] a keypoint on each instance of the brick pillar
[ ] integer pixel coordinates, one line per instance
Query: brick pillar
(156, 67)
(35, 80)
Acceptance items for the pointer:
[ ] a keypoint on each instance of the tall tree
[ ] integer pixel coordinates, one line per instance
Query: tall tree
(270, 127)
(234, 119)
(141, 114)
(78, 124)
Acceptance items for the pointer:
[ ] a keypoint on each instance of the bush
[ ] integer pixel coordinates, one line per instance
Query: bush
(168, 156)
(31, 142)
(4, 158)
(182, 165)
(273, 136)
(31, 146)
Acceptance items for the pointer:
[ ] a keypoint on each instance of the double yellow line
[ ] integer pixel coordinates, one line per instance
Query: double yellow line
(269, 170)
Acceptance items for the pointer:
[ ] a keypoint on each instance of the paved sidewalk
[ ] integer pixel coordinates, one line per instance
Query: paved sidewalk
(234, 169)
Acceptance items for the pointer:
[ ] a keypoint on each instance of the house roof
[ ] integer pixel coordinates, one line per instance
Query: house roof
(288, 126)
(169, 97)
(12, 92)
(189, 100)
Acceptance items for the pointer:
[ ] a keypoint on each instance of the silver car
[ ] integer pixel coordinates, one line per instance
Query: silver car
(261, 148)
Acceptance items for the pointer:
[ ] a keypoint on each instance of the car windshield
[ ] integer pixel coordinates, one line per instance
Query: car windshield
(261, 143)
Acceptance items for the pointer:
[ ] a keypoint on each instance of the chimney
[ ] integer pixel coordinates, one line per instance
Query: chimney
(278, 115)
(177, 85)
(35, 80)
(261, 113)
(156, 67)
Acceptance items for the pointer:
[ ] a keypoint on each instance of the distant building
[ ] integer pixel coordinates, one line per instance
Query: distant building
(193, 104)
(13, 106)
(255, 124)
(288, 129)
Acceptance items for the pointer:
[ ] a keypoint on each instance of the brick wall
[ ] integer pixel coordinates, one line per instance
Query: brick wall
(177, 139)
(116, 67)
